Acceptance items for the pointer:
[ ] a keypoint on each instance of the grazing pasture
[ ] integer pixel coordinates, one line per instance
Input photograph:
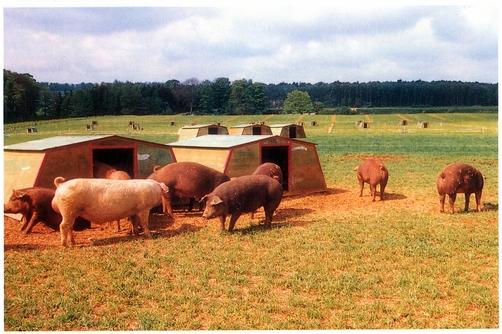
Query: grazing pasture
(331, 260)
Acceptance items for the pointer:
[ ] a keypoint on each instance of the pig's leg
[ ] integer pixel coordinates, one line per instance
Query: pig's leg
(25, 219)
(33, 221)
(373, 190)
(66, 229)
(382, 188)
(134, 225)
(441, 202)
(166, 204)
(452, 198)
(467, 198)
(143, 220)
(233, 219)
(222, 222)
(190, 204)
(361, 184)
(268, 217)
(478, 200)
(118, 225)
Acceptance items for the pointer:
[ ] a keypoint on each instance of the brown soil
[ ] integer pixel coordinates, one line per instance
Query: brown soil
(294, 210)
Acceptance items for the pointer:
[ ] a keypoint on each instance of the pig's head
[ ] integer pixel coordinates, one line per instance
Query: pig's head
(215, 207)
(19, 202)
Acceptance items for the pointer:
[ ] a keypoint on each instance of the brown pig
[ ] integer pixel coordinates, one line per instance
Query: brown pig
(459, 178)
(187, 180)
(243, 194)
(35, 206)
(270, 169)
(373, 172)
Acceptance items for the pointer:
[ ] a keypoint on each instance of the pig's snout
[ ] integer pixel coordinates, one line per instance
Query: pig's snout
(7, 208)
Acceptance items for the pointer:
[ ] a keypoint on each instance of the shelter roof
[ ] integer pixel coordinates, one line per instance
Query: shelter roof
(246, 125)
(52, 142)
(282, 125)
(218, 141)
(198, 126)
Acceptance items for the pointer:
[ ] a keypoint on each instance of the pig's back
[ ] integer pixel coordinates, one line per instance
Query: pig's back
(248, 193)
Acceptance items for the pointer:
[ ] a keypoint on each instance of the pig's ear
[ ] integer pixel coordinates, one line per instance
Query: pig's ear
(21, 195)
(156, 168)
(216, 200)
(203, 199)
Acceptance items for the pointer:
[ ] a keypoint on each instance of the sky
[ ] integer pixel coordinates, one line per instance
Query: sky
(287, 42)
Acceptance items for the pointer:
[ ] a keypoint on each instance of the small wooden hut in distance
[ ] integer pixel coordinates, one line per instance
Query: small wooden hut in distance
(240, 155)
(192, 131)
(36, 163)
(423, 124)
(289, 130)
(250, 129)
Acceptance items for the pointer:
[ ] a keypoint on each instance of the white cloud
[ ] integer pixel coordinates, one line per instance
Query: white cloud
(294, 43)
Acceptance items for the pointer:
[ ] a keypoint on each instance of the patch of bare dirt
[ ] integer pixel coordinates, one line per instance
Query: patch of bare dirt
(297, 211)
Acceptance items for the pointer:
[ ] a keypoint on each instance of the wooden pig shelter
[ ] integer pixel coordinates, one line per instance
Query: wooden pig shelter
(289, 130)
(38, 162)
(192, 131)
(240, 155)
(250, 129)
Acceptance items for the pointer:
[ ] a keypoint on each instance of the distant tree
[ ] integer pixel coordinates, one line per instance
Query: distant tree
(82, 104)
(220, 94)
(21, 96)
(297, 102)
(257, 101)
(318, 106)
(191, 84)
(239, 101)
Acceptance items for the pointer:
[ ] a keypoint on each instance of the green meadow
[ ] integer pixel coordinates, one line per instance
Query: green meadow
(331, 261)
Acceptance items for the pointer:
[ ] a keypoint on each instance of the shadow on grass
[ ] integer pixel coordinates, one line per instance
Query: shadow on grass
(490, 207)
(328, 191)
(156, 234)
(282, 218)
(393, 197)
(25, 247)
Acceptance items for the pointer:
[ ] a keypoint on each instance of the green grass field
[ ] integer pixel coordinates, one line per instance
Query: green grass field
(331, 261)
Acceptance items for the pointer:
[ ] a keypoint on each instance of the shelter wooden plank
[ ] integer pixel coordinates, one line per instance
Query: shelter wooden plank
(214, 158)
(20, 170)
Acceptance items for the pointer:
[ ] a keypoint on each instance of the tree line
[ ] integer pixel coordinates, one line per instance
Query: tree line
(26, 99)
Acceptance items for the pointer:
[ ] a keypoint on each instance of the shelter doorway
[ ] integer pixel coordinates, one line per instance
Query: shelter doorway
(292, 132)
(278, 155)
(119, 158)
(256, 130)
(212, 131)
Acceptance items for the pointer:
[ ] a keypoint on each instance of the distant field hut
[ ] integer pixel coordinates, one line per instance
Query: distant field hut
(240, 155)
(363, 125)
(31, 130)
(197, 130)
(250, 129)
(289, 130)
(403, 122)
(423, 124)
(36, 163)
